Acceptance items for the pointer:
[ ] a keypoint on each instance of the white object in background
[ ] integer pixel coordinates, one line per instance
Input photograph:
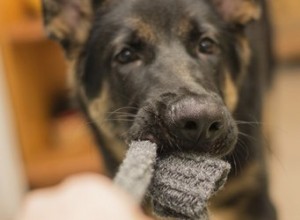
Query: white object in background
(12, 179)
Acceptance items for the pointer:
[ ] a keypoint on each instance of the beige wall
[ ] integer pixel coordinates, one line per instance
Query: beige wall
(286, 21)
(12, 179)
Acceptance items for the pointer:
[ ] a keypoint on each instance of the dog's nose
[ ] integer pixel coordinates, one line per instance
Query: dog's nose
(197, 120)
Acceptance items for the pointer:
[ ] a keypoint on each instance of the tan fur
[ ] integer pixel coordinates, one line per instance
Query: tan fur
(181, 70)
(58, 28)
(52, 9)
(238, 11)
(144, 30)
(98, 109)
(228, 214)
(248, 10)
(245, 54)
(184, 27)
(249, 182)
(242, 185)
(69, 20)
(230, 92)
(71, 79)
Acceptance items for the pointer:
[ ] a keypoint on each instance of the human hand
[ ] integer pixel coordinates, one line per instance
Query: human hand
(83, 197)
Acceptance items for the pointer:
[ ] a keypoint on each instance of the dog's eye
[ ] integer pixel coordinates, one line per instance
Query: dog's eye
(207, 46)
(126, 56)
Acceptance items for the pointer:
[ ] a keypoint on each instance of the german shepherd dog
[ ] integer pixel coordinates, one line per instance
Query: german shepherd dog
(185, 74)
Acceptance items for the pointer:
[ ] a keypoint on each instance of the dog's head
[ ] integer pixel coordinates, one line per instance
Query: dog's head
(167, 71)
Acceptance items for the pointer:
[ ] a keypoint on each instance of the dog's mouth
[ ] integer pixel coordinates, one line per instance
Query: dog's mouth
(169, 143)
(152, 126)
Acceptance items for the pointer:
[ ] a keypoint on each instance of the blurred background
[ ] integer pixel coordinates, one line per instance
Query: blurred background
(52, 146)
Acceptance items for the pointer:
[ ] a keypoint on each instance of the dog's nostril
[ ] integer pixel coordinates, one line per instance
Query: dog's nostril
(214, 130)
(214, 127)
(197, 120)
(191, 125)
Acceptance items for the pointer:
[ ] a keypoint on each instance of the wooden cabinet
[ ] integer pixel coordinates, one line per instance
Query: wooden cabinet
(53, 147)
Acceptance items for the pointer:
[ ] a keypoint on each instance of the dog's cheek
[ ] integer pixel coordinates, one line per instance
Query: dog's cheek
(244, 52)
(230, 92)
(99, 106)
(98, 109)
(234, 81)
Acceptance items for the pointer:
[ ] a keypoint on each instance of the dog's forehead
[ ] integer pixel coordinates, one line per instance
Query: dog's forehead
(150, 18)
(168, 11)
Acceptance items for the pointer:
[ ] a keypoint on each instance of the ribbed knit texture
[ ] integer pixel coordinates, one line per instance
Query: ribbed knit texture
(184, 182)
(179, 185)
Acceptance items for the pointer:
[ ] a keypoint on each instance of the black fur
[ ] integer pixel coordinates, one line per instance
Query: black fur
(152, 83)
(169, 67)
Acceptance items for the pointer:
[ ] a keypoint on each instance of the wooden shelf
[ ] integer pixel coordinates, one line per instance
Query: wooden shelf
(24, 32)
(35, 70)
(72, 150)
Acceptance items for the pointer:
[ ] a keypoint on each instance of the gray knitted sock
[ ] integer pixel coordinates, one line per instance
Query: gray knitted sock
(136, 171)
(184, 182)
(181, 185)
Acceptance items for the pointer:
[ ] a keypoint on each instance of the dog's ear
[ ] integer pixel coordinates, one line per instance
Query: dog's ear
(239, 12)
(68, 21)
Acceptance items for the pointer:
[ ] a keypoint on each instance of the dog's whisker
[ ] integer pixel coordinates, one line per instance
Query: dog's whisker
(121, 113)
(247, 136)
(119, 119)
(120, 116)
(234, 163)
(239, 167)
(122, 108)
(244, 147)
(248, 122)
(125, 108)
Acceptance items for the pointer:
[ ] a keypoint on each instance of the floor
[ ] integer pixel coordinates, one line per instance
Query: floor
(283, 113)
